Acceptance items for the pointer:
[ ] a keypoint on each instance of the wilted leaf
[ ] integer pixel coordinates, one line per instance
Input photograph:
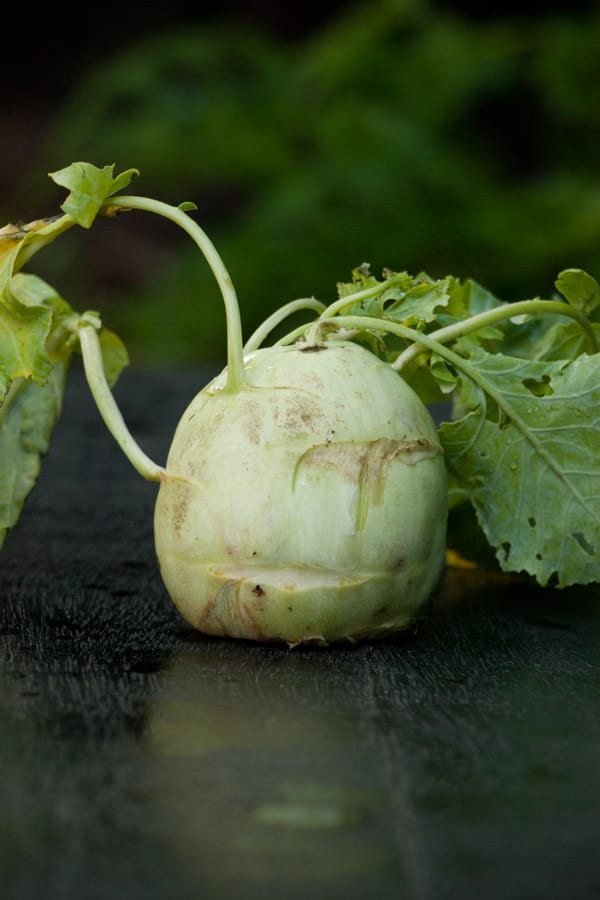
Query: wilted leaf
(26, 424)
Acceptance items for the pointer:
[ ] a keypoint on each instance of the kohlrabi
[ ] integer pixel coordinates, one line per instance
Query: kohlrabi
(307, 502)
(306, 493)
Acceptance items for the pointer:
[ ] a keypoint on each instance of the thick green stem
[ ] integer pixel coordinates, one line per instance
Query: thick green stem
(236, 375)
(491, 316)
(388, 326)
(263, 331)
(96, 378)
(294, 335)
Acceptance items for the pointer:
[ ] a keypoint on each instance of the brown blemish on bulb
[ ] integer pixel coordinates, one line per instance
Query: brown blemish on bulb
(252, 423)
(351, 457)
(366, 464)
(181, 497)
(258, 591)
(301, 413)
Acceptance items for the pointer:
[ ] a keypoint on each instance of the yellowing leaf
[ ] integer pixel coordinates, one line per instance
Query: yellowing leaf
(26, 423)
(23, 333)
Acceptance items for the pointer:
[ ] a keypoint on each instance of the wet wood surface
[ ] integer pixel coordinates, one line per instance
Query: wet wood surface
(140, 759)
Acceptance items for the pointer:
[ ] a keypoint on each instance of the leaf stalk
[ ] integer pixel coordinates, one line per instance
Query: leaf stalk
(102, 394)
(491, 317)
(236, 374)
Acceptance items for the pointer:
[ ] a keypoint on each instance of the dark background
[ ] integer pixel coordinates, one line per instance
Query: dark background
(48, 51)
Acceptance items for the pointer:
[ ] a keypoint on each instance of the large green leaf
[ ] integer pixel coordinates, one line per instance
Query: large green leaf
(89, 187)
(527, 454)
(32, 382)
(27, 419)
(580, 289)
(23, 333)
(38, 333)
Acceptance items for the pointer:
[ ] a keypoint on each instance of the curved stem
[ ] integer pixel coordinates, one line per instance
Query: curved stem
(236, 375)
(293, 335)
(96, 378)
(263, 331)
(361, 323)
(310, 332)
(491, 316)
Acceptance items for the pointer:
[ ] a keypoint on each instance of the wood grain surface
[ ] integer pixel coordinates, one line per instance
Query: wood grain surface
(140, 759)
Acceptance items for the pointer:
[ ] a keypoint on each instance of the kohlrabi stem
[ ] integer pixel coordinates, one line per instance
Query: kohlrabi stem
(101, 392)
(298, 332)
(362, 323)
(491, 316)
(236, 375)
(263, 331)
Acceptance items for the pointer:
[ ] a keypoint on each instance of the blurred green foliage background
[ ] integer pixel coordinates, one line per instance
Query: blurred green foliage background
(400, 133)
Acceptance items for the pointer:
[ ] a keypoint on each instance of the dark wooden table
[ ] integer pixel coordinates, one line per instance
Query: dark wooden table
(142, 760)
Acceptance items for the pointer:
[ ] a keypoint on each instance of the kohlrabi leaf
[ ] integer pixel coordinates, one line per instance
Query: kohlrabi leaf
(370, 296)
(89, 187)
(526, 453)
(400, 296)
(33, 394)
(548, 338)
(580, 289)
(363, 279)
(114, 355)
(421, 302)
(18, 243)
(27, 419)
(475, 298)
(34, 353)
(444, 375)
(24, 329)
(38, 333)
(31, 290)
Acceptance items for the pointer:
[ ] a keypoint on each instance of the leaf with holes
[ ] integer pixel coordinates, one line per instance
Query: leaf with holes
(526, 453)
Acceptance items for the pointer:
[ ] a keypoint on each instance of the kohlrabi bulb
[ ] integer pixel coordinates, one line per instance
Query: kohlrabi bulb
(308, 506)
